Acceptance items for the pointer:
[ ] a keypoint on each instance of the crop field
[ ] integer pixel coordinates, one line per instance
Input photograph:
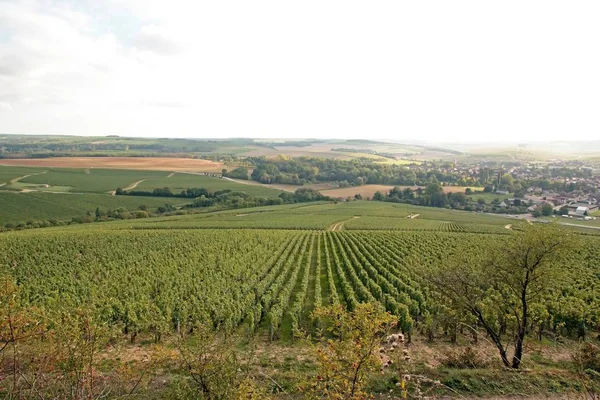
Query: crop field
(356, 215)
(89, 179)
(369, 190)
(7, 174)
(262, 271)
(180, 181)
(264, 280)
(32, 206)
(144, 163)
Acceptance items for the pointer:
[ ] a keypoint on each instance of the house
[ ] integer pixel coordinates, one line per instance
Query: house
(503, 204)
(581, 211)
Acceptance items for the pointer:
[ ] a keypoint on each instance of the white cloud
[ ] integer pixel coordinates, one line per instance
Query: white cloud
(464, 70)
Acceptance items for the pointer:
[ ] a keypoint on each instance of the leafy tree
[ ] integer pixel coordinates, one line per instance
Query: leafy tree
(564, 210)
(547, 209)
(500, 287)
(507, 180)
(378, 196)
(216, 368)
(346, 361)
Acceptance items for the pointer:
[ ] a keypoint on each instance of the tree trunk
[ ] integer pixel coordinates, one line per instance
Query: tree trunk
(518, 354)
(474, 334)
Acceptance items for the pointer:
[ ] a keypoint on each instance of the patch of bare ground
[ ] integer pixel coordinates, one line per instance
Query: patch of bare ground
(338, 226)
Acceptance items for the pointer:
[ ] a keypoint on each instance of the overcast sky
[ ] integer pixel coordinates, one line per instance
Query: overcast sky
(436, 70)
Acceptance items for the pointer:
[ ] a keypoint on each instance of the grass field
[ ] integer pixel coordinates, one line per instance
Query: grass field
(488, 197)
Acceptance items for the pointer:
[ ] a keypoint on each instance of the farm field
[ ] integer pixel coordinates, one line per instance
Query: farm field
(369, 190)
(262, 271)
(33, 206)
(180, 181)
(145, 163)
(84, 180)
(8, 174)
(281, 186)
(356, 215)
(272, 268)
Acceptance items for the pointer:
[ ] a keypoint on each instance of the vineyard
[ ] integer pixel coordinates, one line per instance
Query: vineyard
(263, 281)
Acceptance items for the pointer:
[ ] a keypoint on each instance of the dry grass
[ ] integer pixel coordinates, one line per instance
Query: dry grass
(145, 163)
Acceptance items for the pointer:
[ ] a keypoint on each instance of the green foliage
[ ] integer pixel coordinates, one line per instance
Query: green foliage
(348, 359)
(505, 287)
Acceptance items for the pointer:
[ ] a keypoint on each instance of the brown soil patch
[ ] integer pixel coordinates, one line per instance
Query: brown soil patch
(145, 163)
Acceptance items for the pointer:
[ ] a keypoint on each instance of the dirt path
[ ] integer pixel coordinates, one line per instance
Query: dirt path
(339, 225)
(580, 226)
(15, 180)
(280, 186)
(130, 187)
(171, 174)
(134, 184)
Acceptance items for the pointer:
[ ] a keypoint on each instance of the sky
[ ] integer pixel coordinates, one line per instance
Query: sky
(451, 71)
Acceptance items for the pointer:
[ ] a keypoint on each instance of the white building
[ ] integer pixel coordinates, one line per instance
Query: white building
(581, 211)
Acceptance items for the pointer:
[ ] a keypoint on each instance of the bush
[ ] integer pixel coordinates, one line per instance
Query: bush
(463, 359)
(587, 357)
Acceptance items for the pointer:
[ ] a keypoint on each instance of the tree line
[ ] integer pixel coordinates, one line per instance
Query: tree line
(237, 199)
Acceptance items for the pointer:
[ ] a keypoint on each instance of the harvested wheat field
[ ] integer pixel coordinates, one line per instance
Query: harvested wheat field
(146, 163)
(369, 190)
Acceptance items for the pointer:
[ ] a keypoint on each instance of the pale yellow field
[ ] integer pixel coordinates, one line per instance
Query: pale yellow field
(369, 190)
(145, 163)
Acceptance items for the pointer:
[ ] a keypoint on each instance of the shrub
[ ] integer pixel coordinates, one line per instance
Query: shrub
(587, 357)
(463, 359)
